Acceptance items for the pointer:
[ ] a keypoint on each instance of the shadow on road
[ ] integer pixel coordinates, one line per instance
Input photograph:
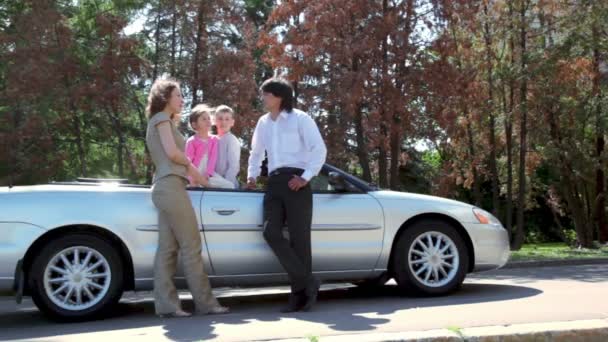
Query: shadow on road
(343, 309)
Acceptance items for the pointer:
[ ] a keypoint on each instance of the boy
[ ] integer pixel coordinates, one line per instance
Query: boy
(229, 149)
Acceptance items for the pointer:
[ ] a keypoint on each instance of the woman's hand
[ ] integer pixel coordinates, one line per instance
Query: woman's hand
(196, 177)
(203, 181)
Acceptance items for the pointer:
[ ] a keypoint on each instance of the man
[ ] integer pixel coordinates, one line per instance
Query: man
(296, 152)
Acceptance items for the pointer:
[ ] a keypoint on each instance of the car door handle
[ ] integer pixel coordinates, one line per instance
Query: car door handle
(225, 211)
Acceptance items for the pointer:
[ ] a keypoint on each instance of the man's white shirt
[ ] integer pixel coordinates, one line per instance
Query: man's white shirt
(293, 140)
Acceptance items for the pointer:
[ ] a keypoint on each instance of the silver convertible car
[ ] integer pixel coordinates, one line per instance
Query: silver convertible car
(75, 247)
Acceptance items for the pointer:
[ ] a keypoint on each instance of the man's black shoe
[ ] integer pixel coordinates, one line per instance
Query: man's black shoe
(311, 293)
(296, 302)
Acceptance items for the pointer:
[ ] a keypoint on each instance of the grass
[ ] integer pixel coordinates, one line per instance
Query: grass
(457, 331)
(556, 251)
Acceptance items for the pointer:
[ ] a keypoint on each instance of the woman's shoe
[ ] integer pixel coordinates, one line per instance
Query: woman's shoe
(176, 314)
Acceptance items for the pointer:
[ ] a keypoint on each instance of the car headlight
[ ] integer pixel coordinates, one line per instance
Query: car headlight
(485, 217)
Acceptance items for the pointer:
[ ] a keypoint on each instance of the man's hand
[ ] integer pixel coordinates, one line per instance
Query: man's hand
(251, 183)
(297, 182)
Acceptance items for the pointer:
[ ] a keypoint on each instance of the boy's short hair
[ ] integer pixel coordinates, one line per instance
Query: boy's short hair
(224, 109)
(197, 111)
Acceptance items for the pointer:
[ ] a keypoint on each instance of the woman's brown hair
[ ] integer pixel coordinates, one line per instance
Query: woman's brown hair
(159, 95)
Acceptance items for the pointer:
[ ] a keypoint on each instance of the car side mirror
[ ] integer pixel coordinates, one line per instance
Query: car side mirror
(337, 181)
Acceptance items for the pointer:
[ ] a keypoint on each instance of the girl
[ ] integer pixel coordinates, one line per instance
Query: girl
(202, 149)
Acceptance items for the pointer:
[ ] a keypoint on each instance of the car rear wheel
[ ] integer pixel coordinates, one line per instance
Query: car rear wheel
(76, 277)
(430, 258)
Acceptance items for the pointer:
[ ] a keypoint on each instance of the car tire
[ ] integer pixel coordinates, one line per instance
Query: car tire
(430, 258)
(77, 277)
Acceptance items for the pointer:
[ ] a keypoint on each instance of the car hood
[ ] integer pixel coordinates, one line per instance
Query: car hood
(396, 195)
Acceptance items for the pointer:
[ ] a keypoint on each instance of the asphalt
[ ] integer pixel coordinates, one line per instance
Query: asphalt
(525, 302)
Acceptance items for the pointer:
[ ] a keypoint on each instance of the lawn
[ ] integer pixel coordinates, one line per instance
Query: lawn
(556, 251)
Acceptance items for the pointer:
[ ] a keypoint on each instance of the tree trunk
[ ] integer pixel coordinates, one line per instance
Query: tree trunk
(357, 115)
(76, 126)
(476, 178)
(156, 62)
(568, 186)
(115, 116)
(581, 224)
(121, 146)
(199, 52)
(79, 143)
(395, 144)
(600, 186)
(173, 40)
(492, 123)
(362, 152)
(12, 147)
(382, 153)
(382, 165)
(296, 92)
(508, 123)
(509, 108)
(396, 131)
(142, 133)
(523, 94)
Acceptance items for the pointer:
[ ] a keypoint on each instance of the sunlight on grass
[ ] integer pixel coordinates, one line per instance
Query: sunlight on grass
(556, 251)
(457, 331)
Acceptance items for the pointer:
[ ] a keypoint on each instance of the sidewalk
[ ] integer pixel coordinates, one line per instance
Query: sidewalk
(595, 330)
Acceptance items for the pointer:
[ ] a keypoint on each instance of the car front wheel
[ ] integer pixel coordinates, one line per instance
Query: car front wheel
(430, 258)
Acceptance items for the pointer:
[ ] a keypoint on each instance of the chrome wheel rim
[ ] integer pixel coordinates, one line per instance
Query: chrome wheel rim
(433, 259)
(77, 278)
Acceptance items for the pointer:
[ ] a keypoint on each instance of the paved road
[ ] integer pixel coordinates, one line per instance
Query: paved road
(504, 297)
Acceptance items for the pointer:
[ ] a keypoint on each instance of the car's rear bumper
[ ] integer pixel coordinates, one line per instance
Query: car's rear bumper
(490, 244)
(15, 239)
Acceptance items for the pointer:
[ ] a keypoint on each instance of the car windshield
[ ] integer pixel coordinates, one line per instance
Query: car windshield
(353, 177)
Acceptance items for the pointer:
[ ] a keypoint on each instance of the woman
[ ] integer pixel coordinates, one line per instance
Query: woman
(177, 225)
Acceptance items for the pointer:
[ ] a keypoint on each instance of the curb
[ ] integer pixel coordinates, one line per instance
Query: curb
(555, 262)
(588, 331)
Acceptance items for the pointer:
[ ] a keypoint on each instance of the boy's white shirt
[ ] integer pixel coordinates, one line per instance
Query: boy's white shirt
(229, 157)
(215, 181)
(293, 140)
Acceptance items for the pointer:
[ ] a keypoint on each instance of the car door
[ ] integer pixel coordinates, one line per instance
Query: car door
(347, 231)
(145, 240)
(348, 227)
(232, 225)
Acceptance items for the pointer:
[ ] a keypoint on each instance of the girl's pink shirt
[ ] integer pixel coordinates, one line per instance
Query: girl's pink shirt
(196, 149)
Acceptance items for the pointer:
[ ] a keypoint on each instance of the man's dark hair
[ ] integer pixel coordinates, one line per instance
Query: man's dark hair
(280, 87)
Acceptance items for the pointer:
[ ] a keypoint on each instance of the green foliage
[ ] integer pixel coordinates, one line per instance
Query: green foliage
(73, 88)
